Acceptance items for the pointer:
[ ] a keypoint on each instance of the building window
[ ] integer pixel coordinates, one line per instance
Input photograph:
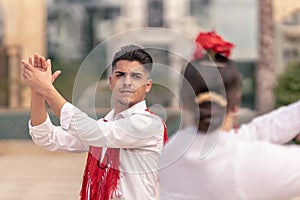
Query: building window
(247, 70)
(155, 13)
(291, 25)
(293, 19)
(199, 9)
(290, 55)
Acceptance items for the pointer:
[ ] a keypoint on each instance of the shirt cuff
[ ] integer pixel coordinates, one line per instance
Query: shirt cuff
(41, 129)
(66, 115)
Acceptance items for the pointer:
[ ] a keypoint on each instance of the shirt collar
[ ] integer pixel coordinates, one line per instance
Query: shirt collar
(141, 106)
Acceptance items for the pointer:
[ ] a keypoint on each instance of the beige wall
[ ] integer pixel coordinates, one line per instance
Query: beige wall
(24, 34)
(283, 8)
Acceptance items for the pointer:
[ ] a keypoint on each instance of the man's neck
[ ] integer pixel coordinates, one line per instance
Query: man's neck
(228, 122)
(118, 108)
(121, 107)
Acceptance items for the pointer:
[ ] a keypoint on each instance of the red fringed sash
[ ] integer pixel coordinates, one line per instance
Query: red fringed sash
(100, 179)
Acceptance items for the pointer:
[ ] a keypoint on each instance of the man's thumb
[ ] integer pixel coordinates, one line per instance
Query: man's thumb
(55, 75)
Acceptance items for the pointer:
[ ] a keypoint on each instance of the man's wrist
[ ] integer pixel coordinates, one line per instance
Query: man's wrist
(54, 100)
(48, 92)
(36, 94)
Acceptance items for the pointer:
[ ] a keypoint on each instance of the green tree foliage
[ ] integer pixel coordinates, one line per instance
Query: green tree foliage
(288, 88)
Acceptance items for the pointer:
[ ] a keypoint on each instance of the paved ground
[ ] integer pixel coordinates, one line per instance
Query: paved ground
(27, 172)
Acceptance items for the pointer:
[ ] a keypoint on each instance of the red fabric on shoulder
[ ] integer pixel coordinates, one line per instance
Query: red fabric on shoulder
(166, 137)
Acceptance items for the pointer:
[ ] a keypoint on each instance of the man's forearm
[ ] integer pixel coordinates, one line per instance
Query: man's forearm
(55, 100)
(38, 112)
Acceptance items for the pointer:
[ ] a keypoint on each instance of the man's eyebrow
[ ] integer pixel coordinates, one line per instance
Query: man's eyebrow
(119, 72)
(136, 73)
(131, 72)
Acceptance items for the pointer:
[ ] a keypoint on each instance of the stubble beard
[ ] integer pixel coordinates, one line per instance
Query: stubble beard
(123, 101)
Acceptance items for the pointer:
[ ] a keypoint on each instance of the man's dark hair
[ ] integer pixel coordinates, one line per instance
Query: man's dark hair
(133, 53)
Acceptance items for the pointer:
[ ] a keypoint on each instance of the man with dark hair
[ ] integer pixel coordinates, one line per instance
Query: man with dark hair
(124, 146)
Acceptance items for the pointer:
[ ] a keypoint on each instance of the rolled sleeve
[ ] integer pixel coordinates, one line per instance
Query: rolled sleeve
(55, 138)
(39, 131)
(66, 115)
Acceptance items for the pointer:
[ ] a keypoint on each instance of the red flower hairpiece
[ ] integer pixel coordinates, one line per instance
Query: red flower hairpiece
(213, 44)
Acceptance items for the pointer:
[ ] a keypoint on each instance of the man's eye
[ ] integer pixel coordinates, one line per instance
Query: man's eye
(136, 76)
(120, 74)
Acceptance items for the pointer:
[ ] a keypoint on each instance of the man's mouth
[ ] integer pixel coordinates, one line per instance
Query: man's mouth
(127, 91)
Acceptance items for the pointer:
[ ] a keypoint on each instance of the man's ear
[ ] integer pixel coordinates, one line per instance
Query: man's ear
(148, 85)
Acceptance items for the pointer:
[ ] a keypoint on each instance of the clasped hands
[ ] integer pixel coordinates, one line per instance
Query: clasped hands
(37, 73)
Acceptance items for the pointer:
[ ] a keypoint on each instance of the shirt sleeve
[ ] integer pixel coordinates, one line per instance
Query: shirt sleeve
(140, 129)
(262, 164)
(278, 126)
(55, 138)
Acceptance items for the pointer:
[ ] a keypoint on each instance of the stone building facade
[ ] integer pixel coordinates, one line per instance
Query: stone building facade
(287, 32)
(22, 33)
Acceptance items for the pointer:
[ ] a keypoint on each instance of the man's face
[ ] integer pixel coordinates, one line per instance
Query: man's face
(129, 82)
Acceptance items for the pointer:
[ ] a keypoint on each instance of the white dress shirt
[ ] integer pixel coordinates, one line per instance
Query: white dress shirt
(247, 164)
(136, 131)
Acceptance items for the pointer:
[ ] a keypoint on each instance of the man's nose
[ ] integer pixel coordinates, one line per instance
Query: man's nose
(126, 80)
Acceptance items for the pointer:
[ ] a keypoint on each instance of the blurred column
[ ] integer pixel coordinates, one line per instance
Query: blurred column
(13, 61)
(266, 68)
(135, 13)
(175, 10)
(3, 78)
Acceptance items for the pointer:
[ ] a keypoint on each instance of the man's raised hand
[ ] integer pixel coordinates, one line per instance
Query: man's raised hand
(37, 73)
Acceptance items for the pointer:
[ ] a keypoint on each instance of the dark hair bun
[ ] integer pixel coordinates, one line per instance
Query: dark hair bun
(220, 58)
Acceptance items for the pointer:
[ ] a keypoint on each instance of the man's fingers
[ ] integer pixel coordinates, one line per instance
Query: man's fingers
(26, 73)
(35, 60)
(49, 65)
(30, 60)
(42, 62)
(39, 61)
(27, 66)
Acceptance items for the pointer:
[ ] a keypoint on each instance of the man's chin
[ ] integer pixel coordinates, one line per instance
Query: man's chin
(124, 102)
